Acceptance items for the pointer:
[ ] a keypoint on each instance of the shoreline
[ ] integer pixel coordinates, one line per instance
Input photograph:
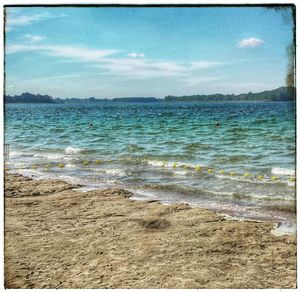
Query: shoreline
(58, 237)
(283, 216)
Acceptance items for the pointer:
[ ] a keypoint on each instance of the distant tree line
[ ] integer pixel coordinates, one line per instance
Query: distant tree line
(279, 94)
(29, 98)
(38, 98)
(136, 99)
(76, 99)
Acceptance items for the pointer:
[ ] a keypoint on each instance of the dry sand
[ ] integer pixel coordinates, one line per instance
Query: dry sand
(57, 237)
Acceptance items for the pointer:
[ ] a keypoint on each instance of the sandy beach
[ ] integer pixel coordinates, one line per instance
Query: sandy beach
(59, 237)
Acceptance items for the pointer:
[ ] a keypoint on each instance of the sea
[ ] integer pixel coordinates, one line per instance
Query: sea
(167, 151)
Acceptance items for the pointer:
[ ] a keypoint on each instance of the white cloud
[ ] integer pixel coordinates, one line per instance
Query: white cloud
(23, 19)
(141, 68)
(19, 20)
(81, 54)
(199, 65)
(151, 68)
(13, 49)
(33, 38)
(136, 55)
(129, 68)
(250, 43)
(14, 18)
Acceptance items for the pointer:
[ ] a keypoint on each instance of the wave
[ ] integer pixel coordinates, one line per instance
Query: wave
(185, 169)
(47, 154)
(113, 171)
(192, 191)
(72, 150)
(283, 171)
(157, 163)
(194, 146)
(256, 179)
(57, 130)
(180, 173)
(288, 206)
(50, 156)
(232, 159)
(291, 183)
(69, 165)
(251, 196)
(20, 153)
(15, 153)
(87, 151)
(171, 164)
(170, 142)
(174, 188)
(134, 147)
(238, 129)
(260, 121)
(38, 174)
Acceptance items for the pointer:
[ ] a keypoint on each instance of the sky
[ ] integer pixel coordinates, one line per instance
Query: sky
(108, 52)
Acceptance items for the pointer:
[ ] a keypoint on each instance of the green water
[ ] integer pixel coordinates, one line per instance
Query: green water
(167, 151)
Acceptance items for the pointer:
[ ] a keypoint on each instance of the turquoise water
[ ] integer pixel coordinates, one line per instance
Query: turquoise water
(167, 151)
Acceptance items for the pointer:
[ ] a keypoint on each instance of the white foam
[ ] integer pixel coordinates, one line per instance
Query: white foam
(190, 165)
(70, 165)
(180, 172)
(33, 173)
(17, 165)
(222, 193)
(72, 150)
(114, 171)
(290, 183)
(282, 171)
(20, 153)
(170, 164)
(284, 228)
(142, 194)
(15, 153)
(69, 178)
(50, 156)
(156, 163)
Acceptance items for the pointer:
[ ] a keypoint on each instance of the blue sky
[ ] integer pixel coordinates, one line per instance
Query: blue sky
(111, 52)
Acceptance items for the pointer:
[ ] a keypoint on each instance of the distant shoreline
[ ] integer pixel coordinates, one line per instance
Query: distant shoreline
(279, 94)
(158, 101)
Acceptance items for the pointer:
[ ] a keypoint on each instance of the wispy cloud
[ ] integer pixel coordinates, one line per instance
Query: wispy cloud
(108, 61)
(24, 19)
(33, 38)
(250, 43)
(139, 68)
(15, 18)
(136, 55)
(151, 68)
(206, 64)
(80, 54)
(18, 48)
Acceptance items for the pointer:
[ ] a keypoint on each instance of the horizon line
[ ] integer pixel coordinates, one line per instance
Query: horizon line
(111, 98)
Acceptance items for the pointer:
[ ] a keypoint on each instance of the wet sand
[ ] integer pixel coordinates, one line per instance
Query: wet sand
(59, 237)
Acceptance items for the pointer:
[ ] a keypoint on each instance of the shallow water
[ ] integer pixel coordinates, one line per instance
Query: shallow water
(167, 151)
